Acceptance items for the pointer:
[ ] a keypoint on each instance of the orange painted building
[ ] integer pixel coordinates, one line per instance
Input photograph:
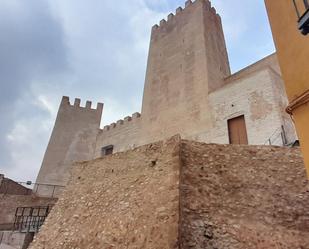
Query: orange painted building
(290, 23)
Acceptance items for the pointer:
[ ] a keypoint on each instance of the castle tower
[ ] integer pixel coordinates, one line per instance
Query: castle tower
(71, 121)
(187, 60)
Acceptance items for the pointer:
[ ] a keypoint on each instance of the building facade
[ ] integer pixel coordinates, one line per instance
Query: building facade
(293, 54)
(189, 90)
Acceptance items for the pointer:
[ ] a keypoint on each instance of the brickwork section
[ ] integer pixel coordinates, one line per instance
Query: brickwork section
(217, 196)
(243, 197)
(8, 186)
(126, 200)
(9, 203)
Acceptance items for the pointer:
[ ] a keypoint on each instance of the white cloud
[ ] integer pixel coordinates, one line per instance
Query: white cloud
(44, 103)
(100, 55)
(26, 143)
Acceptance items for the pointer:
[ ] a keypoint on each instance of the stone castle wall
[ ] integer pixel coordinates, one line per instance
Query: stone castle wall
(123, 135)
(188, 90)
(174, 82)
(71, 122)
(258, 101)
(187, 59)
(243, 197)
(126, 200)
(256, 92)
(183, 194)
(269, 61)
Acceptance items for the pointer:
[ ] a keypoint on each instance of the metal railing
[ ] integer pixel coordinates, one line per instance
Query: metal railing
(27, 188)
(44, 190)
(277, 138)
(30, 219)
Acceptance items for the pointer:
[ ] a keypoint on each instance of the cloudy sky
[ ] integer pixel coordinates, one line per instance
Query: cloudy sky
(95, 50)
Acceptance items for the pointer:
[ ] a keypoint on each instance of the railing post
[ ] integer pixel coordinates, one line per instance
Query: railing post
(53, 191)
(283, 135)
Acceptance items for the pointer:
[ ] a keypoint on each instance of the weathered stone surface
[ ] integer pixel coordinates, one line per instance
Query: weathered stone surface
(243, 197)
(182, 194)
(72, 140)
(126, 200)
(188, 90)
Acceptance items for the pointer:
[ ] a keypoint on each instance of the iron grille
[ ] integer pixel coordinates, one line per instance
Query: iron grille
(30, 219)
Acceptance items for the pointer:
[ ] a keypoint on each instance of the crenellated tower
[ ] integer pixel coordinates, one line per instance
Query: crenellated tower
(187, 60)
(188, 90)
(73, 122)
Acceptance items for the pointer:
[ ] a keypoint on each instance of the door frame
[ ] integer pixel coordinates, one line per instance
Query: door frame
(245, 126)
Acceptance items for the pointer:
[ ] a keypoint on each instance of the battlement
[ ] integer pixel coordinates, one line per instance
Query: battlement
(135, 116)
(72, 120)
(66, 102)
(179, 11)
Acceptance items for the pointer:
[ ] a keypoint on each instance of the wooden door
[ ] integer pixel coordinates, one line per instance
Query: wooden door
(237, 130)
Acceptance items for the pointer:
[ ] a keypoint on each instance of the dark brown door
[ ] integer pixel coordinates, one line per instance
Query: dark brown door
(237, 130)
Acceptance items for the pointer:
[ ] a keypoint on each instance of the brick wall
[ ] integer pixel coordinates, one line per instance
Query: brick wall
(7, 186)
(9, 203)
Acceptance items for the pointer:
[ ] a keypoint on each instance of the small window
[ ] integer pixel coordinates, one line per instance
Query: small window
(107, 150)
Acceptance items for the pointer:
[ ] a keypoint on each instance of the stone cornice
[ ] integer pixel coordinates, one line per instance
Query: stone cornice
(297, 102)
